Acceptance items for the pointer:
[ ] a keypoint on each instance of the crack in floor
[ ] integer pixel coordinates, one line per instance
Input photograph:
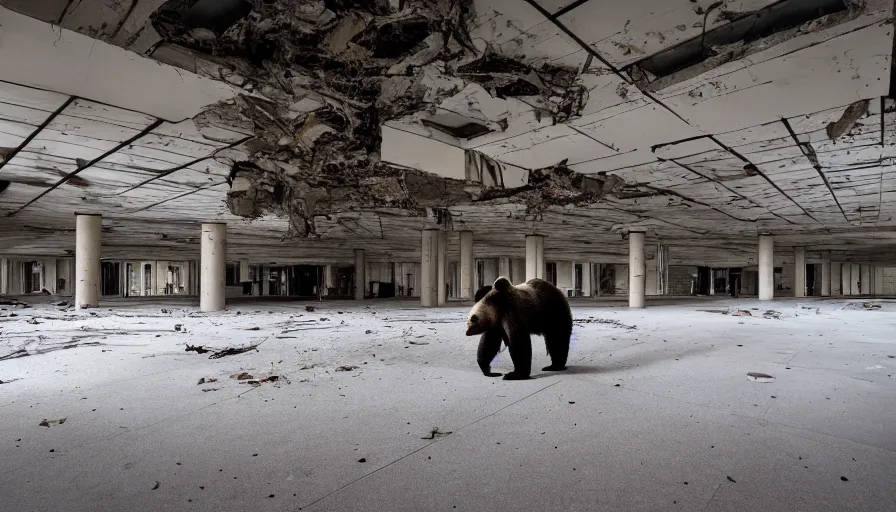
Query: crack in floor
(427, 445)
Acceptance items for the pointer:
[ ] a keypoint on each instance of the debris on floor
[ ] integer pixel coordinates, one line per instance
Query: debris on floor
(771, 313)
(346, 368)
(199, 349)
(605, 321)
(760, 377)
(310, 309)
(241, 376)
(232, 351)
(870, 305)
(209, 380)
(743, 312)
(48, 423)
(435, 433)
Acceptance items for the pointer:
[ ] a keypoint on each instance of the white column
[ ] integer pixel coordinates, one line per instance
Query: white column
(504, 268)
(244, 271)
(534, 257)
(429, 271)
(826, 274)
(360, 274)
(766, 262)
(799, 271)
(443, 268)
(855, 276)
(637, 270)
(4, 276)
(329, 278)
(213, 268)
(88, 251)
(466, 265)
(836, 280)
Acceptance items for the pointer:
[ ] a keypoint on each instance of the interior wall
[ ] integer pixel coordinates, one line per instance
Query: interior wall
(518, 270)
(681, 279)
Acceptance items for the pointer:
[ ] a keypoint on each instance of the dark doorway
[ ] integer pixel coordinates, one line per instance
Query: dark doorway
(147, 279)
(704, 280)
(578, 281)
(811, 273)
(551, 273)
(734, 281)
(110, 278)
(29, 278)
(607, 283)
(304, 280)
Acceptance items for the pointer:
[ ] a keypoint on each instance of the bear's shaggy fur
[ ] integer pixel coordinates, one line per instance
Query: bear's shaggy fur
(512, 314)
(489, 342)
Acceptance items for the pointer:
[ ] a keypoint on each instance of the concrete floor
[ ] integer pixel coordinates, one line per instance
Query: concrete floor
(660, 417)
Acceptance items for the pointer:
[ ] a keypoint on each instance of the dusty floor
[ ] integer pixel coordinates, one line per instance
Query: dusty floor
(657, 411)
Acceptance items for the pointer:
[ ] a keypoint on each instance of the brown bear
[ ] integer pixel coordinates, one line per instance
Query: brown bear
(512, 314)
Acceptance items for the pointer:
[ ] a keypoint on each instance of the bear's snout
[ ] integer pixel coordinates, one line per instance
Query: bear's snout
(473, 329)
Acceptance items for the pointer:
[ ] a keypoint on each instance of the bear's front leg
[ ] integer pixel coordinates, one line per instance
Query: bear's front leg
(520, 349)
(489, 346)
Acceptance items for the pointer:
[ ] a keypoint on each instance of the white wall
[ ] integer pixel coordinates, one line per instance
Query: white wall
(652, 286)
(836, 280)
(564, 274)
(518, 270)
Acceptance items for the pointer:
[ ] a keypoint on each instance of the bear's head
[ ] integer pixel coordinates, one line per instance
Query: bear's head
(489, 309)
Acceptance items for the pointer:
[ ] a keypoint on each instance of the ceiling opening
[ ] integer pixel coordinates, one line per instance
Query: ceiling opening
(743, 27)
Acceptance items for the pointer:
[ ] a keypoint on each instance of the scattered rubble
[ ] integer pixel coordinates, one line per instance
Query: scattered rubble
(232, 351)
(435, 433)
(346, 368)
(605, 321)
(48, 423)
(760, 377)
(229, 351)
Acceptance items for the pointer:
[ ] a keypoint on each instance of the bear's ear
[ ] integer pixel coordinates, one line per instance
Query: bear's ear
(502, 284)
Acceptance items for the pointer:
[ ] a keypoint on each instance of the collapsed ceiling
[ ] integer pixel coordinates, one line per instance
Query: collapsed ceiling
(683, 117)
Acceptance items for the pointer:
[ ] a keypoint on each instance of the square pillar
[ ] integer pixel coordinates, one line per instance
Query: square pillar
(826, 274)
(766, 261)
(360, 274)
(244, 271)
(88, 251)
(213, 270)
(799, 271)
(637, 268)
(534, 257)
(466, 265)
(329, 279)
(429, 271)
(443, 268)
(4, 276)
